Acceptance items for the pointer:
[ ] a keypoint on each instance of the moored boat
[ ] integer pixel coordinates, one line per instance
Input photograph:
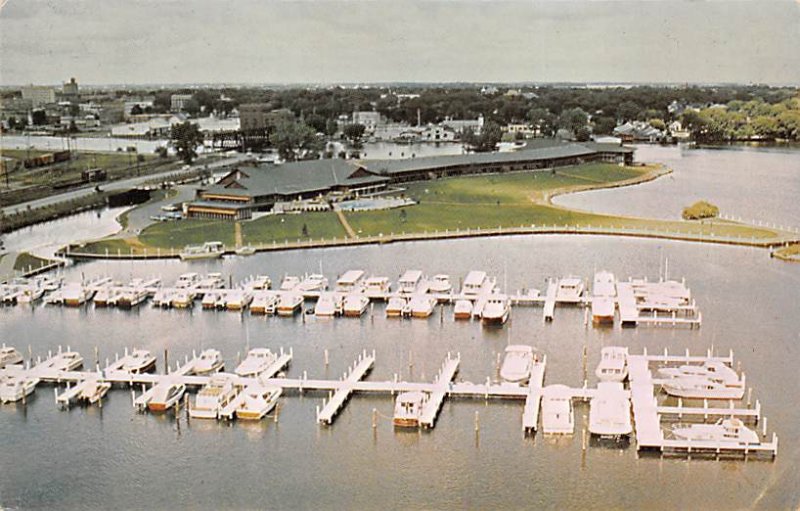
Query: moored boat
(496, 310)
(422, 305)
(558, 415)
(264, 303)
(215, 395)
(9, 356)
(395, 307)
(701, 387)
(517, 364)
(355, 305)
(610, 411)
(613, 365)
(166, 395)
(139, 361)
(730, 431)
(329, 305)
(408, 409)
(440, 284)
(16, 387)
(462, 309)
(209, 361)
(289, 303)
(569, 290)
(257, 402)
(256, 362)
(208, 250)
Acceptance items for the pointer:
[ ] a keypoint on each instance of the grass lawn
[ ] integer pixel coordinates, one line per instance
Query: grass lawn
(282, 227)
(25, 261)
(791, 253)
(187, 232)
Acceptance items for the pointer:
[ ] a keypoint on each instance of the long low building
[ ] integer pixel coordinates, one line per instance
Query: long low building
(259, 188)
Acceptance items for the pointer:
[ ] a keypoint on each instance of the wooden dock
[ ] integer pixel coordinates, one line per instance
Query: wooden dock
(431, 407)
(533, 400)
(336, 401)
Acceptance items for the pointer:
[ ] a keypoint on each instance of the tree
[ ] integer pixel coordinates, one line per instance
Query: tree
(39, 117)
(573, 120)
(604, 125)
(191, 107)
(304, 231)
(290, 137)
(488, 139)
(583, 134)
(354, 132)
(136, 110)
(186, 137)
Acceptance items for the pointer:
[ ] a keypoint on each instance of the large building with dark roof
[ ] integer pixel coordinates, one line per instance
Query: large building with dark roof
(249, 189)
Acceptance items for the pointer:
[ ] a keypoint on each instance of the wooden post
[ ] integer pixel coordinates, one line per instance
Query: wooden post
(477, 421)
(374, 418)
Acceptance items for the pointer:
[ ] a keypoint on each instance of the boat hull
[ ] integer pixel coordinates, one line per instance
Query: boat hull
(405, 423)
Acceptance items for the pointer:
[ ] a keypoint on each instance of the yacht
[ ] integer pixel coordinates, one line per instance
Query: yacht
(289, 283)
(256, 362)
(355, 305)
(329, 305)
(166, 395)
(613, 364)
(610, 411)
(462, 309)
(209, 361)
(289, 304)
(246, 250)
(9, 356)
(238, 299)
(496, 310)
(711, 369)
(725, 431)
(558, 415)
(422, 306)
(94, 391)
(208, 250)
(395, 307)
(350, 282)
(187, 280)
(264, 303)
(257, 402)
(517, 364)
(570, 290)
(701, 387)
(408, 409)
(410, 282)
(377, 287)
(139, 361)
(475, 283)
(440, 284)
(217, 393)
(16, 387)
(313, 283)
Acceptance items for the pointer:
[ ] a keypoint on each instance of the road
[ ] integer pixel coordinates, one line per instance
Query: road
(122, 184)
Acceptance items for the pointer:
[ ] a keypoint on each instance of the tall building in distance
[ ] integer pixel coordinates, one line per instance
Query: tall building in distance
(70, 90)
(39, 95)
(178, 102)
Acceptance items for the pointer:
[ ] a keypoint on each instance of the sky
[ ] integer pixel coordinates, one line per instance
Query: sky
(337, 41)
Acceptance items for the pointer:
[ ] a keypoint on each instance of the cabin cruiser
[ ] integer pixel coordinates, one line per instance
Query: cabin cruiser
(139, 361)
(440, 284)
(610, 411)
(256, 362)
(289, 283)
(289, 304)
(238, 299)
(350, 282)
(603, 310)
(355, 305)
(131, 297)
(312, 283)
(462, 309)
(75, 294)
(67, 361)
(604, 284)
(166, 395)
(496, 310)
(261, 282)
(475, 283)
(163, 298)
(94, 390)
(217, 393)
(264, 303)
(105, 296)
(208, 250)
(9, 356)
(213, 281)
(613, 364)
(257, 401)
(422, 305)
(15, 387)
(570, 290)
(209, 361)
(377, 287)
(725, 431)
(517, 364)
(396, 306)
(408, 409)
(558, 415)
(711, 369)
(701, 387)
(187, 280)
(329, 304)
(213, 300)
(183, 298)
(410, 282)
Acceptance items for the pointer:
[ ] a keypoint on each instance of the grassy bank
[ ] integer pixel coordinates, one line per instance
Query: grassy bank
(788, 253)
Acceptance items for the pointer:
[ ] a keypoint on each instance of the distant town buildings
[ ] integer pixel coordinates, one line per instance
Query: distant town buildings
(639, 131)
(178, 101)
(39, 95)
(370, 120)
(70, 90)
(459, 125)
(254, 116)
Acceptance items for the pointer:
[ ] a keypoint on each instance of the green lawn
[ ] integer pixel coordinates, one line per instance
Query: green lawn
(180, 233)
(26, 261)
(282, 227)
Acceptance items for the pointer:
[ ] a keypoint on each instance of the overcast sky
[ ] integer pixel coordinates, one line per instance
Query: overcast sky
(269, 41)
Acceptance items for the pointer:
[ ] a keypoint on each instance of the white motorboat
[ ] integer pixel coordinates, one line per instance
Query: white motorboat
(183, 298)
(187, 280)
(131, 297)
(610, 411)
(410, 282)
(377, 287)
(408, 409)
(139, 361)
(604, 284)
(422, 305)
(701, 387)
(329, 305)
(475, 283)
(75, 294)
(603, 308)
(730, 431)
(213, 300)
(9, 356)
(462, 309)
(440, 284)
(711, 369)
(256, 362)
(257, 402)
(31, 293)
(496, 310)
(312, 283)
(15, 387)
(613, 364)
(264, 303)
(289, 304)
(569, 290)
(105, 296)
(350, 282)
(213, 397)
(67, 361)
(56, 297)
(246, 250)
(396, 306)
(261, 282)
(238, 299)
(355, 305)
(163, 298)
(166, 395)
(517, 364)
(211, 282)
(94, 390)
(209, 361)
(208, 250)
(558, 415)
(289, 283)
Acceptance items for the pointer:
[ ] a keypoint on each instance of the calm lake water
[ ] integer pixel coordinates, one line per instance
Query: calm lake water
(94, 458)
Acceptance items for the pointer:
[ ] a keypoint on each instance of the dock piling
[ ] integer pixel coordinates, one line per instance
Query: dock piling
(477, 421)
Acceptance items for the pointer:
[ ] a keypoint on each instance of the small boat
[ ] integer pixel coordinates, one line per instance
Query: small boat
(289, 283)
(496, 310)
(408, 409)
(329, 305)
(261, 282)
(711, 369)
(238, 299)
(187, 280)
(462, 309)
(257, 402)
(166, 395)
(183, 299)
(31, 293)
(377, 287)
(256, 362)
(264, 303)
(517, 364)
(410, 282)
(213, 300)
(16, 387)
(730, 431)
(75, 294)
(475, 283)
(701, 387)
(312, 283)
(613, 364)
(94, 390)
(395, 307)
(603, 310)
(9, 356)
(355, 305)
(246, 250)
(213, 397)
(104, 297)
(350, 282)
(208, 250)
(139, 361)
(130, 298)
(67, 361)
(610, 411)
(558, 415)
(289, 304)
(604, 284)
(162, 298)
(422, 306)
(569, 290)
(440, 284)
(209, 361)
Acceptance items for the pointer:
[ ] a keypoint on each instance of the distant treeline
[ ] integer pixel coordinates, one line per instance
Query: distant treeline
(745, 120)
